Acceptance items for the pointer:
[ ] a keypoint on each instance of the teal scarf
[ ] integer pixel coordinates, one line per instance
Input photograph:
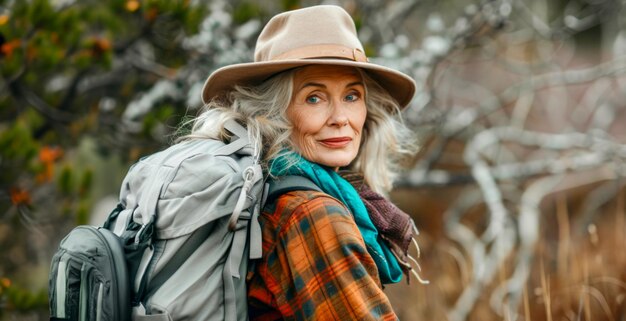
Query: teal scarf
(331, 183)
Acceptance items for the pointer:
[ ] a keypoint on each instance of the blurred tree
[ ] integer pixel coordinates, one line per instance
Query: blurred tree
(68, 69)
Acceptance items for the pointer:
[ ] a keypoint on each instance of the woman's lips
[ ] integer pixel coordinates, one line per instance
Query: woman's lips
(336, 142)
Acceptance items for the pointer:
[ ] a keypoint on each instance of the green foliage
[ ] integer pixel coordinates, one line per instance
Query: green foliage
(82, 213)
(160, 115)
(65, 182)
(22, 299)
(39, 12)
(17, 143)
(86, 182)
(57, 63)
(246, 11)
(290, 4)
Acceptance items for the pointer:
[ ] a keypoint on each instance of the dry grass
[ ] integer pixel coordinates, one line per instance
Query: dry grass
(578, 271)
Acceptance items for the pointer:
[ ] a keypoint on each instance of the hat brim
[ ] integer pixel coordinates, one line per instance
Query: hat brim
(400, 86)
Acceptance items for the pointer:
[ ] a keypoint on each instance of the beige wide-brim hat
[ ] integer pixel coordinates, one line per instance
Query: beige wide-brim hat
(319, 35)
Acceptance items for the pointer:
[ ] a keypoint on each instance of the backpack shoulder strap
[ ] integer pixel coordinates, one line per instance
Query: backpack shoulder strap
(289, 183)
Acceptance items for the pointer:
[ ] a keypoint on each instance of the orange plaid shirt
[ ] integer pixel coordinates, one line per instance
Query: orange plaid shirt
(315, 265)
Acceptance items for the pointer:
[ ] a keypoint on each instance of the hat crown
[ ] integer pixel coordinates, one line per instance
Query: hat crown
(318, 35)
(324, 31)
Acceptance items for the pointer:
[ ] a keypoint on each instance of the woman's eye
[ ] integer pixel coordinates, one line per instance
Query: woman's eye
(312, 99)
(352, 97)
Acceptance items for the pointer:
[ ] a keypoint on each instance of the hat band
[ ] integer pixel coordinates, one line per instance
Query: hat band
(324, 51)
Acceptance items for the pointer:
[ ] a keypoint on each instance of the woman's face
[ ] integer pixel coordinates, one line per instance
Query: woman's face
(328, 112)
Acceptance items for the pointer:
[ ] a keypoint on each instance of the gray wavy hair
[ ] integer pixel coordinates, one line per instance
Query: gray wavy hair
(385, 145)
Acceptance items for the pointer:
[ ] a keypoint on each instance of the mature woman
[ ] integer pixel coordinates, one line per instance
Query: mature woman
(318, 109)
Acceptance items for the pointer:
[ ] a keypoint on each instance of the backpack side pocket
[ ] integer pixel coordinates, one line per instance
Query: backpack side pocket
(88, 278)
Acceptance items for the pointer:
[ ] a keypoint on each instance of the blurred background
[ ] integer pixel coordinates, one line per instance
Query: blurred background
(517, 190)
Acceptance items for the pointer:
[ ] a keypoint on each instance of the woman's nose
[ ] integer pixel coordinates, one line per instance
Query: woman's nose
(338, 116)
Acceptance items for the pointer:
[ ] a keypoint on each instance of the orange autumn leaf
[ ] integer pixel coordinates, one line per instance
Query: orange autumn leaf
(5, 283)
(132, 5)
(49, 155)
(103, 44)
(100, 46)
(19, 196)
(7, 48)
(47, 173)
(151, 14)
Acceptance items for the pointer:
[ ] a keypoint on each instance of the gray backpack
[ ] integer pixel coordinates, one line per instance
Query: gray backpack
(186, 226)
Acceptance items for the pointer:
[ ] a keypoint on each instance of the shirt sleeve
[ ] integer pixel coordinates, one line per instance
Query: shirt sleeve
(319, 268)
